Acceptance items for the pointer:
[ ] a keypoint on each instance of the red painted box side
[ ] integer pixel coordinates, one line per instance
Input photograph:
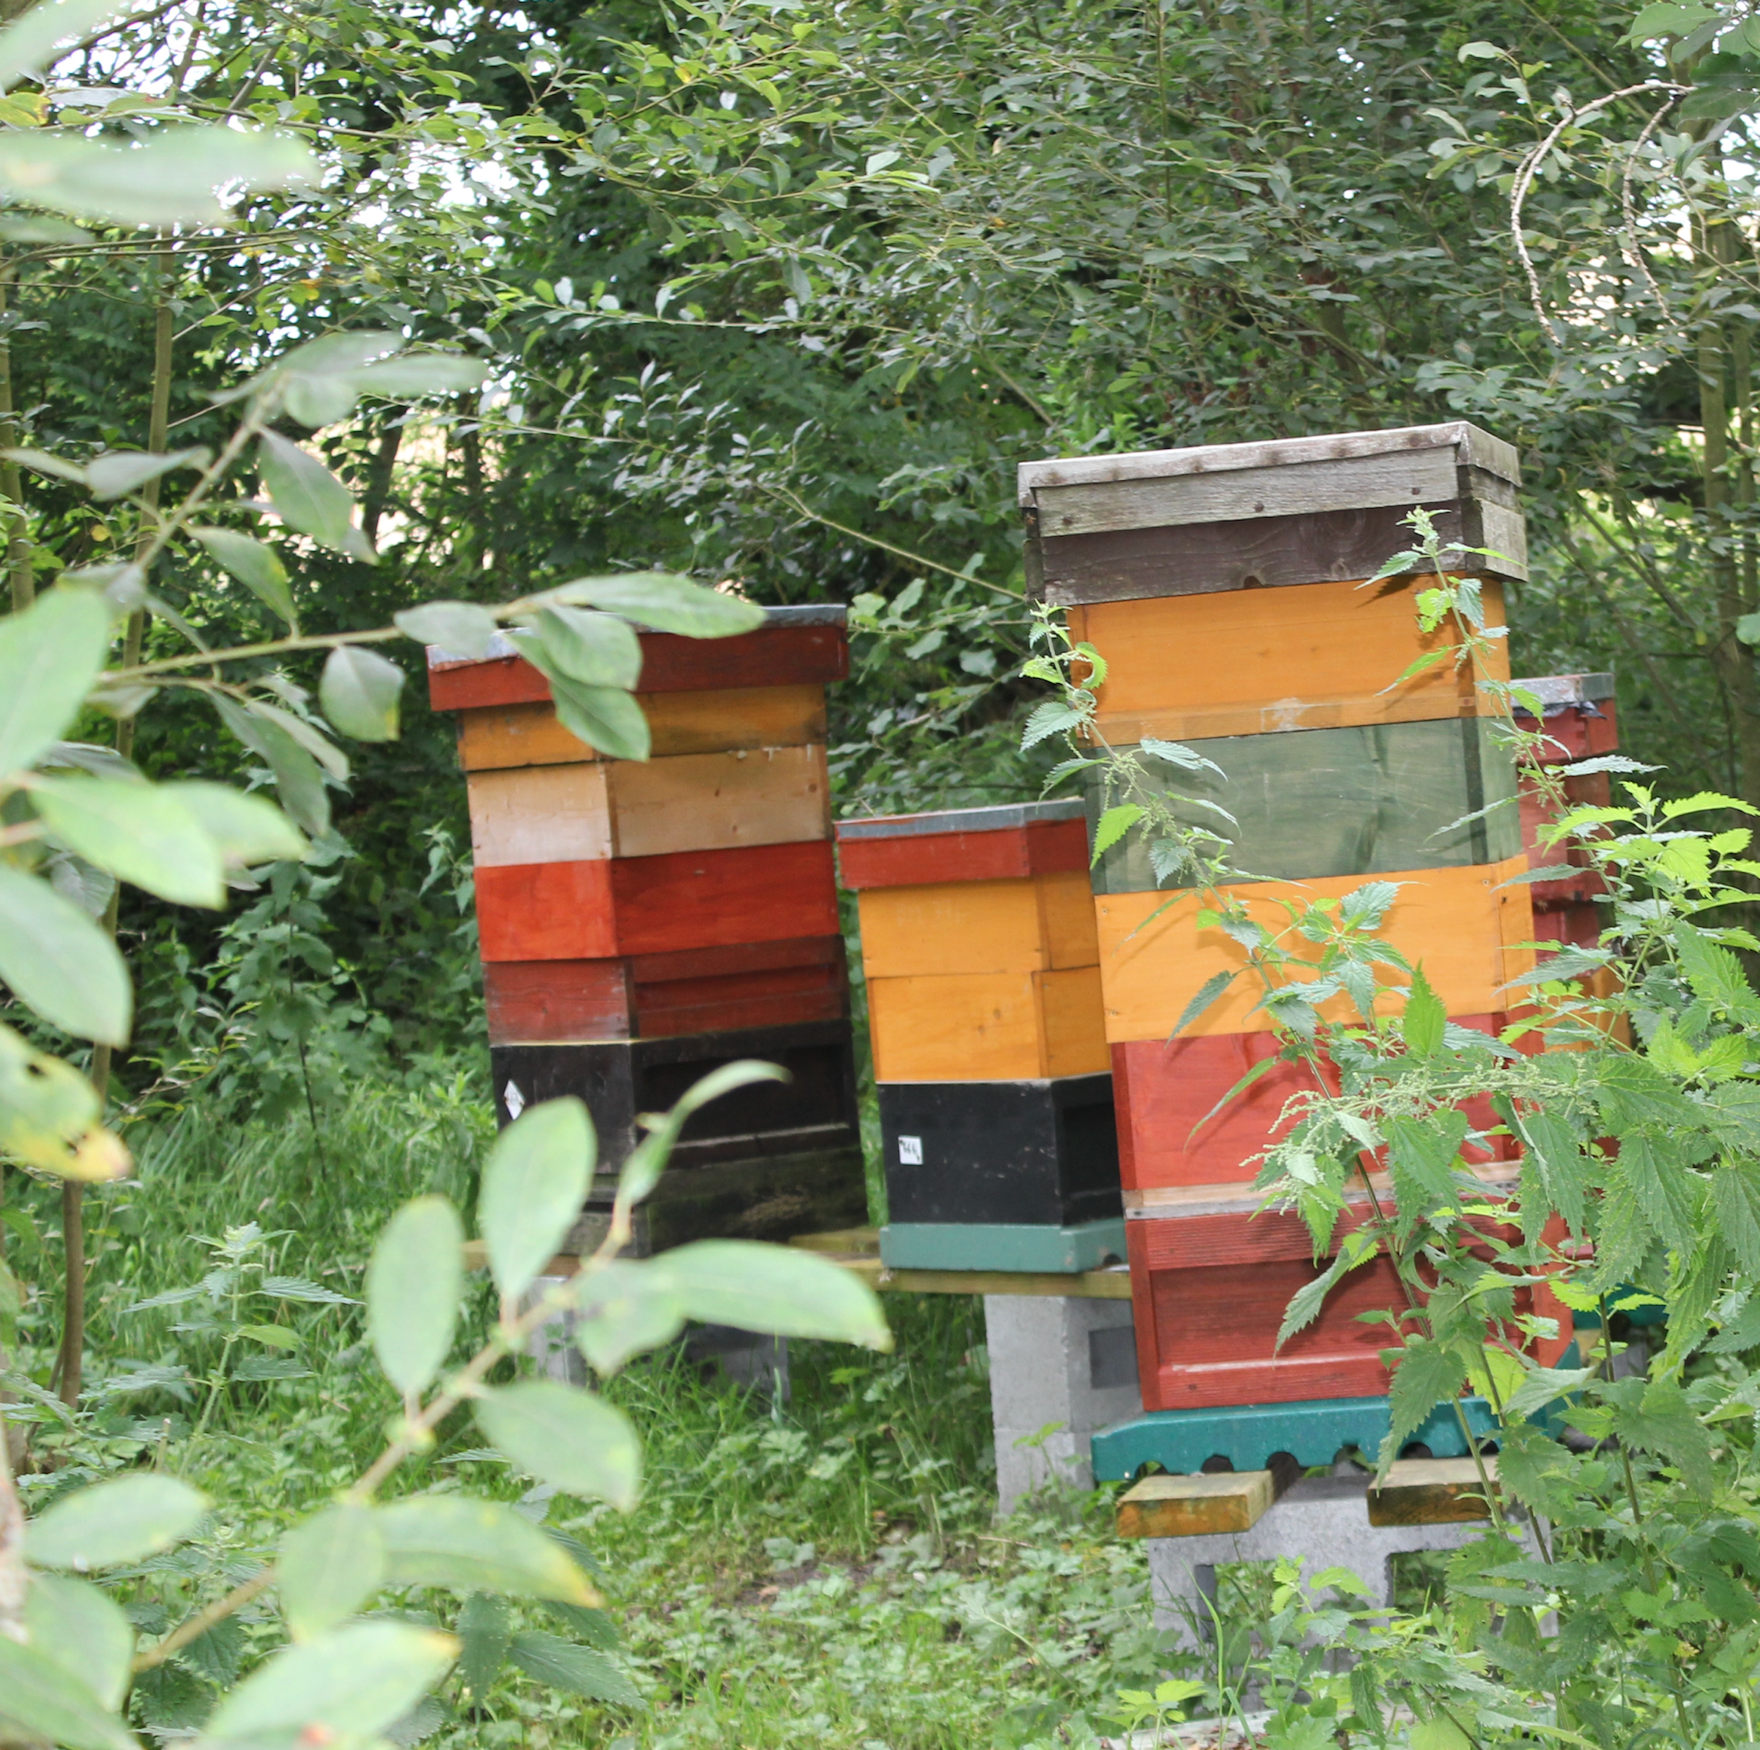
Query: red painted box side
(1536, 811)
(1577, 733)
(773, 656)
(1043, 847)
(654, 905)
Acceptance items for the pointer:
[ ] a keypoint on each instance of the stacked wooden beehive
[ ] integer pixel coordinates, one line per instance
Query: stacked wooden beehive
(1223, 587)
(645, 921)
(980, 956)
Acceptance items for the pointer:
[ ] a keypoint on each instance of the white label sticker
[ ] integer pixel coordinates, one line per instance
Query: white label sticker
(515, 1101)
(910, 1151)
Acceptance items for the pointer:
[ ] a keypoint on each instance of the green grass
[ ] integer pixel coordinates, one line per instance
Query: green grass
(825, 1573)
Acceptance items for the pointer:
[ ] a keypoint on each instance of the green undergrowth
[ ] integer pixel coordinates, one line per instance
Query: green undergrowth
(826, 1571)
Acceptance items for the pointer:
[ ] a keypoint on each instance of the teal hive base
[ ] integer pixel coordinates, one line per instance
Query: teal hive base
(1181, 1440)
(1012, 1246)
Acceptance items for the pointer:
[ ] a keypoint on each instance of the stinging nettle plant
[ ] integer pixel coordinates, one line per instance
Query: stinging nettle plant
(76, 819)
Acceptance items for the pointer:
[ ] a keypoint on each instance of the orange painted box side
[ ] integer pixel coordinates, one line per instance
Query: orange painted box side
(986, 1027)
(1039, 924)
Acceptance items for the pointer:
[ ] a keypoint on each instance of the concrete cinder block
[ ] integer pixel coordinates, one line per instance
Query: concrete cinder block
(1323, 1520)
(1055, 1359)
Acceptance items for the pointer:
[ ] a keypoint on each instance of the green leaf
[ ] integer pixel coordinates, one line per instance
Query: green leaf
(664, 602)
(421, 373)
(1053, 717)
(624, 1308)
(1113, 825)
(1555, 1153)
(359, 693)
(309, 497)
(50, 656)
(774, 1288)
(271, 1336)
(605, 718)
(534, 1184)
(1425, 1018)
(598, 650)
(1545, 1385)
(1440, 1733)
(1425, 1155)
(471, 1545)
(563, 1665)
(60, 963)
(1207, 993)
(118, 471)
(108, 1524)
(484, 1630)
(256, 566)
(458, 628)
(138, 832)
(43, 1698)
(298, 780)
(647, 1160)
(329, 1566)
(413, 1285)
(568, 1438)
(49, 1115)
(84, 1631)
(246, 829)
(1426, 1375)
(28, 45)
(349, 1684)
(1662, 1422)
(1304, 1306)
(168, 178)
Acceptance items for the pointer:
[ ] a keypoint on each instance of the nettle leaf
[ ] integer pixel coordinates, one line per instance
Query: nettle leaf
(773, 1288)
(168, 178)
(1425, 1018)
(571, 1439)
(484, 1629)
(1425, 1375)
(309, 497)
(1424, 1153)
(624, 1308)
(138, 832)
(60, 963)
(413, 1287)
(359, 692)
(1113, 825)
(534, 1184)
(112, 1523)
(328, 1567)
(481, 1546)
(256, 566)
(83, 1630)
(598, 650)
(50, 657)
(663, 602)
(1662, 1422)
(1054, 717)
(1208, 992)
(563, 1665)
(458, 628)
(349, 1684)
(1355, 1249)
(1178, 754)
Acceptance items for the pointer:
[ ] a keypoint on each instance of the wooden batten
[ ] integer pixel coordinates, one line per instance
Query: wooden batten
(986, 1026)
(491, 738)
(1196, 1505)
(1268, 552)
(1037, 925)
(1319, 802)
(797, 647)
(1321, 656)
(1460, 924)
(655, 905)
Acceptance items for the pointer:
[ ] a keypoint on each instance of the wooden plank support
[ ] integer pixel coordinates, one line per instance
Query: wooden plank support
(1204, 1503)
(1433, 1491)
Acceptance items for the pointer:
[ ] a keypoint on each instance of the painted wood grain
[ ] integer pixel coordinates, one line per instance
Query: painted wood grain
(654, 905)
(1264, 553)
(772, 656)
(1469, 445)
(712, 801)
(1040, 848)
(977, 927)
(1289, 489)
(985, 1027)
(1318, 802)
(1313, 657)
(540, 814)
(1458, 923)
(530, 1001)
(679, 723)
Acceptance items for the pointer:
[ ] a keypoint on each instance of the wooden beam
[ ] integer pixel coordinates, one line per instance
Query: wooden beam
(1205, 1503)
(1432, 1491)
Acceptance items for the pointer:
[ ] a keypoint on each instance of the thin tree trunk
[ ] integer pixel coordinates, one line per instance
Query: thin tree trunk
(71, 1365)
(18, 546)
